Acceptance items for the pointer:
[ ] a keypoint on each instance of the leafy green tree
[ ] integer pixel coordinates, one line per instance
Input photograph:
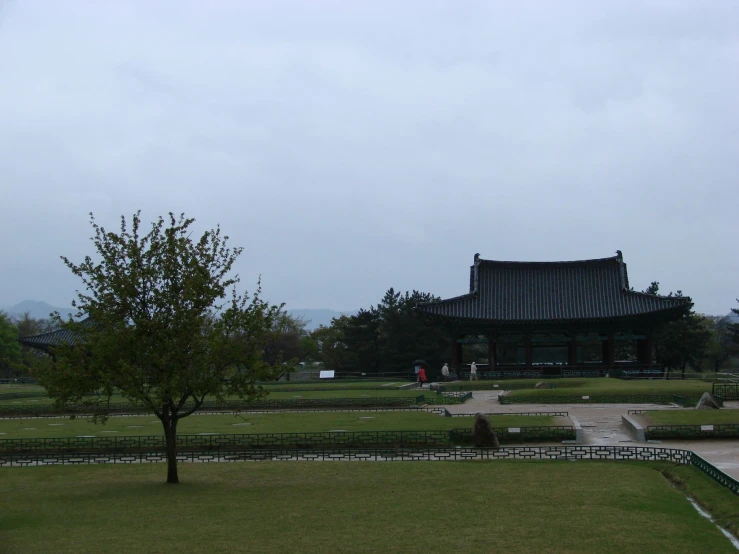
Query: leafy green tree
(333, 349)
(167, 327)
(10, 350)
(720, 346)
(284, 348)
(683, 342)
(362, 336)
(309, 351)
(388, 337)
(733, 328)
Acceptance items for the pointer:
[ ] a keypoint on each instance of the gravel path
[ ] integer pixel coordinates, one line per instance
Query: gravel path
(602, 425)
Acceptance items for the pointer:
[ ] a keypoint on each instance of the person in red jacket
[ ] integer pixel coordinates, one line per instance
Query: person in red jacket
(421, 376)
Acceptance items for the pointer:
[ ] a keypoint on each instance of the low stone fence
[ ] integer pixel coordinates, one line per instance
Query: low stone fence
(525, 453)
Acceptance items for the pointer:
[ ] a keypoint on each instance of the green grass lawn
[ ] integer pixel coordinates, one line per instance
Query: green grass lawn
(719, 501)
(416, 507)
(20, 388)
(691, 417)
(274, 394)
(336, 385)
(603, 386)
(305, 422)
(346, 393)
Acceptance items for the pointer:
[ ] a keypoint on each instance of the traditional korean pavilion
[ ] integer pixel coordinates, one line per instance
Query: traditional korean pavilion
(547, 318)
(48, 341)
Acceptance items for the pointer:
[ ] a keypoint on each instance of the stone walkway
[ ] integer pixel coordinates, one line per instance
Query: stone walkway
(602, 425)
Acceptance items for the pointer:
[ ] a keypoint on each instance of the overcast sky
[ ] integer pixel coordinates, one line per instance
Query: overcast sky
(354, 146)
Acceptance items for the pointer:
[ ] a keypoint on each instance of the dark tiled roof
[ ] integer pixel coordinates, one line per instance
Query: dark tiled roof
(52, 338)
(519, 292)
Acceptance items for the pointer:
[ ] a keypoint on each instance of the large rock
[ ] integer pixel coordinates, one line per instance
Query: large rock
(482, 432)
(707, 402)
(543, 385)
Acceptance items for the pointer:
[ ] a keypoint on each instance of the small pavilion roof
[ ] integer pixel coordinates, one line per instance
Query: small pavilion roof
(52, 338)
(523, 292)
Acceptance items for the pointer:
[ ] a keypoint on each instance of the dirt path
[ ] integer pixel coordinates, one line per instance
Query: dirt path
(602, 425)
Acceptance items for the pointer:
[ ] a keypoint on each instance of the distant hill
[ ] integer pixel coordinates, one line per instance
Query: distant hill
(36, 309)
(316, 317)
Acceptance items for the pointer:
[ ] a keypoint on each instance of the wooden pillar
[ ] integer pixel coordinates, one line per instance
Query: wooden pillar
(491, 354)
(529, 350)
(572, 352)
(649, 349)
(640, 351)
(456, 357)
(608, 346)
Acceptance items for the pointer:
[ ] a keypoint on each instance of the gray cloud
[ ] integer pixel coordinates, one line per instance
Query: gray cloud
(355, 146)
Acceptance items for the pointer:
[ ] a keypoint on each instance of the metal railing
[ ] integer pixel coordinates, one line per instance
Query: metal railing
(605, 399)
(713, 431)
(729, 391)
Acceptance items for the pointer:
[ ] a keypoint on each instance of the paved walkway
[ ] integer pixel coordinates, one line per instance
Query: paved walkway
(602, 425)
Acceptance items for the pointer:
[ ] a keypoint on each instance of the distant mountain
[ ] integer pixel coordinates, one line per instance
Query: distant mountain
(36, 309)
(732, 317)
(316, 317)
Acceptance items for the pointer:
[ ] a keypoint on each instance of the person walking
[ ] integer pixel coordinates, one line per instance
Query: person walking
(473, 372)
(421, 377)
(445, 372)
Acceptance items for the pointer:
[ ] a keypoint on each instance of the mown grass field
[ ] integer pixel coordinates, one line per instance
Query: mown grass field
(20, 388)
(690, 417)
(273, 394)
(337, 385)
(416, 507)
(305, 422)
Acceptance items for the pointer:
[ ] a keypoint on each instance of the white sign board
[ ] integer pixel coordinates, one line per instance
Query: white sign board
(514, 429)
(706, 427)
(326, 374)
(586, 398)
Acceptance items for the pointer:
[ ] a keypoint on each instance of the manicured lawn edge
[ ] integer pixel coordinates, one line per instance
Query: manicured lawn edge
(720, 502)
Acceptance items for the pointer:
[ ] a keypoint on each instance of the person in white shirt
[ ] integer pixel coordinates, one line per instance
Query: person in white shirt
(445, 372)
(473, 371)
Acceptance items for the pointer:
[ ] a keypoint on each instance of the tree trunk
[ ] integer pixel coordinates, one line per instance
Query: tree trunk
(170, 434)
